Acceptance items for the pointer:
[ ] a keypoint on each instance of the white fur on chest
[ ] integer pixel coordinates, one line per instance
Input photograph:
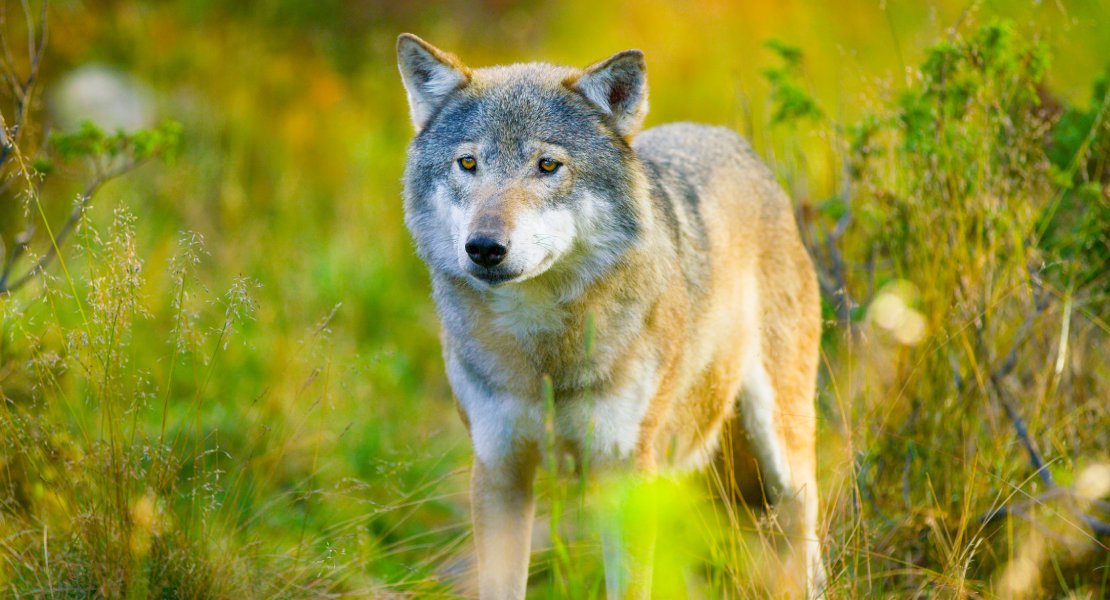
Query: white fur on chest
(609, 424)
(524, 311)
(606, 424)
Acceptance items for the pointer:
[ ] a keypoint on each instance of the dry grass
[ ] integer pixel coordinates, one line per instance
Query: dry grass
(264, 415)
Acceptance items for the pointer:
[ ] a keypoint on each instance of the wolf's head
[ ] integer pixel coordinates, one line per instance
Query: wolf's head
(515, 170)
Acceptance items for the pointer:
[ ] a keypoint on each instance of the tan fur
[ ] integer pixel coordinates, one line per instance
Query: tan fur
(726, 343)
(443, 56)
(760, 264)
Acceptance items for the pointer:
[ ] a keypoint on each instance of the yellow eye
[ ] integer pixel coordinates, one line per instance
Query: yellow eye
(549, 166)
(468, 163)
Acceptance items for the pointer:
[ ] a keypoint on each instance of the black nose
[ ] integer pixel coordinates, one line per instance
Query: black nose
(486, 250)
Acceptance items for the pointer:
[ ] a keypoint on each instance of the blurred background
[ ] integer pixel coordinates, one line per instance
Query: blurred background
(231, 382)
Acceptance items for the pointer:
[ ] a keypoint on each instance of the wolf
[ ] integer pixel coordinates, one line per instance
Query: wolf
(542, 211)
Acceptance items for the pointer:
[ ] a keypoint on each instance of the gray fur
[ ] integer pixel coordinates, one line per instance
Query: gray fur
(531, 103)
(672, 244)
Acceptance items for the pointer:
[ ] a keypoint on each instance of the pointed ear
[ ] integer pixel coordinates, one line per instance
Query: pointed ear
(429, 74)
(618, 86)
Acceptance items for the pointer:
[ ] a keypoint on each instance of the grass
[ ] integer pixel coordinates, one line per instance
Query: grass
(229, 386)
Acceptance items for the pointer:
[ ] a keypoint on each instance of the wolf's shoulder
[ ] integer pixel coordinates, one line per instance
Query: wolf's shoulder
(688, 163)
(692, 142)
(696, 151)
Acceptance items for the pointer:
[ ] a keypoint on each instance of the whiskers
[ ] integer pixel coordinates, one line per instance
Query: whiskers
(547, 242)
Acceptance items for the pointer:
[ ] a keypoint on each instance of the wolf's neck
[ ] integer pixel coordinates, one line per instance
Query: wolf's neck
(528, 309)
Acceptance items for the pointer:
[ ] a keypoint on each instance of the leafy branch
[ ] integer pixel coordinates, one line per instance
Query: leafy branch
(109, 156)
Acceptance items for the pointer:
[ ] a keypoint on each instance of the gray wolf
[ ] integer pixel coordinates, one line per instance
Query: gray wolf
(539, 206)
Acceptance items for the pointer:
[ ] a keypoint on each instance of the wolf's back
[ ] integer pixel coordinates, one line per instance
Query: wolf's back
(728, 219)
(713, 189)
(697, 154)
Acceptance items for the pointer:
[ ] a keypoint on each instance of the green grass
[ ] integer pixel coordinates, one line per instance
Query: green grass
(229, 385)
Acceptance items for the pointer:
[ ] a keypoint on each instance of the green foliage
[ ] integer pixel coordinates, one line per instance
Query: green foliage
(788, 93)
(42, 166)
(1076, 229)
(980, 215)
(90, 142)
(977, 98)
(266, 415)
(1080, 139)
(1076, 238)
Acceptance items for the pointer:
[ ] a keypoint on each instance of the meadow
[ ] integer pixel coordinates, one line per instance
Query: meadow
(220, 373)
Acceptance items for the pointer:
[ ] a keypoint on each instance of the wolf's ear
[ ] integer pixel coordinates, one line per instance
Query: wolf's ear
(618, 86)
(429, 74)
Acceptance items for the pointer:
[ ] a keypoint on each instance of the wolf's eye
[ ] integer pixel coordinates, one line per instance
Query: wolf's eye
(549, 166)
(468, 163)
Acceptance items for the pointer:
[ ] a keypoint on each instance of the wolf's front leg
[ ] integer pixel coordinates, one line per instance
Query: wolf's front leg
(642, 551)
(628, 550)
(641, 536)
(503, 505)
(628, 532)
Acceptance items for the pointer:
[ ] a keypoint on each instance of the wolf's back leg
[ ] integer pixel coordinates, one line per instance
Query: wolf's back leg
(777, 413)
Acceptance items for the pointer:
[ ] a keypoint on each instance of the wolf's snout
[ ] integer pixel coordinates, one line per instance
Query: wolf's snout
(486, 249)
